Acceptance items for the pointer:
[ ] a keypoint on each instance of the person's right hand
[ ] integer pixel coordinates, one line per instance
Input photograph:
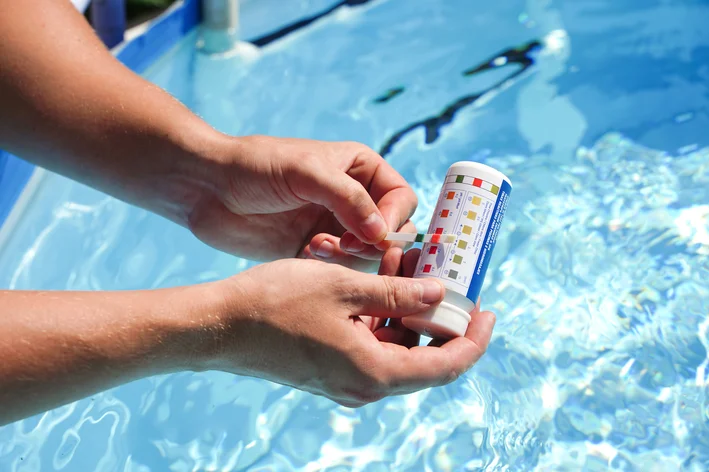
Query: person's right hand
(307, 324)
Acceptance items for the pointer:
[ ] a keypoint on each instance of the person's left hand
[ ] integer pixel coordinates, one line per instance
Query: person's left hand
(275, 197)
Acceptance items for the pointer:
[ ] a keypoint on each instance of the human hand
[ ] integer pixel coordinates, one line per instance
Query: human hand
(276, 198)
(317, 327)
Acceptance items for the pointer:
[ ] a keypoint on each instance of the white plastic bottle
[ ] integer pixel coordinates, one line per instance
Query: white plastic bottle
(471, 206)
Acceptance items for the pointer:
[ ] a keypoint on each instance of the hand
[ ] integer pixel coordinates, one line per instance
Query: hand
(276, 198)
(309, 325)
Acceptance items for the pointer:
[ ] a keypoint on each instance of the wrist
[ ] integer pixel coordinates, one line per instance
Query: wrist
(188, 173)
(204, 325)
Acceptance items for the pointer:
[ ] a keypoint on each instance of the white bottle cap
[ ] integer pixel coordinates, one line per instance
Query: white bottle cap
(444, 321)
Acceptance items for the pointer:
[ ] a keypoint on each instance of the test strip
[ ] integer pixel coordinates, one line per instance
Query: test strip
(421, 238)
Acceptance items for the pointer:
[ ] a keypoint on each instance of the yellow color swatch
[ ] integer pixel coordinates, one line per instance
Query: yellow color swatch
(467, 229)
(472, 215)
(476, 200)
(462, 244)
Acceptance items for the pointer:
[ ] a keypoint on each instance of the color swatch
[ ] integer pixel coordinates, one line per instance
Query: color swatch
(461, 217)
(475, 182)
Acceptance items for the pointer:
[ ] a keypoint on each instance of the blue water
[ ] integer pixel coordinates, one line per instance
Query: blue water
(599, 359)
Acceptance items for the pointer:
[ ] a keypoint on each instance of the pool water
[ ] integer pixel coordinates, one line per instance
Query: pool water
(596, 109)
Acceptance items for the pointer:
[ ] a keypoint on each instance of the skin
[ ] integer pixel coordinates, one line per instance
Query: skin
(66, 104)
(326, 338)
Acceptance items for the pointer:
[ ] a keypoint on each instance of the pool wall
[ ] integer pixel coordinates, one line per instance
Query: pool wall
(162, 34)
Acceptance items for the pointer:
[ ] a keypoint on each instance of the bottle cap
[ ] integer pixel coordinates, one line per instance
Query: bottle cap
(444, 321)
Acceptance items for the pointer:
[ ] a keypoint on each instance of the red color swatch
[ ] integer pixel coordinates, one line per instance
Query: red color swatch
(444, 213)
(439, 231)
(477, 182)
(427, 268)
(433, 250)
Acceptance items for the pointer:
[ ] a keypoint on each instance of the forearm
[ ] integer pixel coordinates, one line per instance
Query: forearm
(67, 105)
(58, 347)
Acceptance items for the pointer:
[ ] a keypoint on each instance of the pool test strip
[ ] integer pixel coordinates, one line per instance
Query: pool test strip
(470, 210)
(436, 238)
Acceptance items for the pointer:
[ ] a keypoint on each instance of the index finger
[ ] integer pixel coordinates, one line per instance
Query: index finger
(391, 193)
(409, 370)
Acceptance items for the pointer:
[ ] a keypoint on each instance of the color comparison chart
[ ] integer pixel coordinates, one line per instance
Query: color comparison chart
(464, 209)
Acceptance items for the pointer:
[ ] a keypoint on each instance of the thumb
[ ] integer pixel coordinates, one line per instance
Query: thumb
(393, 297)
(347, 199)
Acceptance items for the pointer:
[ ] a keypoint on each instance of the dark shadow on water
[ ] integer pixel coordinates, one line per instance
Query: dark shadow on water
(520, 56)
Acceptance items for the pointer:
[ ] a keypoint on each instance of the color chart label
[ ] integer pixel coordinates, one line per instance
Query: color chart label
(466, 208)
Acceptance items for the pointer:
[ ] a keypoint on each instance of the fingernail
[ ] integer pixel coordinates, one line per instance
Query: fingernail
(374, 227)
(326, 250)
(432, 291)
(353, 245)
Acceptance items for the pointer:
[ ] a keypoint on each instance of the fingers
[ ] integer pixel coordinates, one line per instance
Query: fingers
(391, 297)
(332, 253)
(395, 262)
(351, 244)
(409, 262)
(397, 333)
(329, 248)
(394, 196)
(345, 197)
(391, 262)
(409, 370)
(369, 198)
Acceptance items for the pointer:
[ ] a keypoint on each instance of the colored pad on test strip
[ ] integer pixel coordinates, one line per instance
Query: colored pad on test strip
(422, 238)
(436, 238)
(450, 195)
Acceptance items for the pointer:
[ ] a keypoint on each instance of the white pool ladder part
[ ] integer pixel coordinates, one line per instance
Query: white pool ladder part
(220, 26)
(81, 5)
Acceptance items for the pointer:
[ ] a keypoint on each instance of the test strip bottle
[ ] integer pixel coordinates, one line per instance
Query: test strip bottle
(471, 206)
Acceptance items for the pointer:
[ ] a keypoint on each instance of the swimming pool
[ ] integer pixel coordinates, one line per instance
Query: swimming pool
(599, 359)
